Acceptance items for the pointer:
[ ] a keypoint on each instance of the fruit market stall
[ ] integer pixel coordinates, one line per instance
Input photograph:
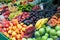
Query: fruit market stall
(29, 20)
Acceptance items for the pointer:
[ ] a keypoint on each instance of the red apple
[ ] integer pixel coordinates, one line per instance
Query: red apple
(6, 25)
(0, 25)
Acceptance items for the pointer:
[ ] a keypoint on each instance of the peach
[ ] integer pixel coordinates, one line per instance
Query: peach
(23, 29)
(11, 24)
(19, 26)
(10, 32)
(54, 17)
(14, 33)
(10, 28)
(24, 25)
(14, 22)
(13, 38)
(14, 27)
(5, 33)
(18, 36)
(17, 31)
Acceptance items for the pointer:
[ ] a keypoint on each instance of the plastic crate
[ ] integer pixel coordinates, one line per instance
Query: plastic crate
(3, 37)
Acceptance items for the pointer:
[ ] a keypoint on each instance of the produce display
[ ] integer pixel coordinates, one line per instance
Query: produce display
(55, 20)
(29, 20)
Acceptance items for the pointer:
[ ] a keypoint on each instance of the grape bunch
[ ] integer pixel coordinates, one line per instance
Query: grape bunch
(35, 15)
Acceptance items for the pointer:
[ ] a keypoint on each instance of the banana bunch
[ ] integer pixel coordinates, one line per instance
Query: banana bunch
(41, 22)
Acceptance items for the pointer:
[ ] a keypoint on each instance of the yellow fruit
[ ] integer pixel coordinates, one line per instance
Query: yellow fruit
(24, 25)
(11, 24)
(10, 28)
(17, 31)
(5, 33)
(18, 39)
(19, 26)
(23, 29)
(21, 23)
(31, 25)
(15, 20)
(13, 38)
(14, 27)
(38, 23)
(14, 33)
(10, 32)
(20, 13)
(38, 27)
(18, 36)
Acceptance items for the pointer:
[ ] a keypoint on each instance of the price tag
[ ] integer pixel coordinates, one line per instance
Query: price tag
(41, 6)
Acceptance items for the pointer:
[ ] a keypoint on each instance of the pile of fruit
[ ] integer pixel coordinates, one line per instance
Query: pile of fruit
(55, 20)
(16, 31)
(46, 33)
(26, 20)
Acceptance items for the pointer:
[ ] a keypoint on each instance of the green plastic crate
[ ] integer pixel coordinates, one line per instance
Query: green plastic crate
(3, 37)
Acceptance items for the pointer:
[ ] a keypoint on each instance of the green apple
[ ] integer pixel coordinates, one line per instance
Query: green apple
(48, 29)
(57, 28)
(44, 26)
(49, 39)
(29, 39)
(58, 33)
(54, 37)
(39, 38)
(37, 34)
(44, 38)
(33, 38)
(24, 39)
(52, 32)
(41, 31)
(46, 34)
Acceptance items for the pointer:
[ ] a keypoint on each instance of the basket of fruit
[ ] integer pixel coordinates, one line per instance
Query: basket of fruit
(29, 20)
